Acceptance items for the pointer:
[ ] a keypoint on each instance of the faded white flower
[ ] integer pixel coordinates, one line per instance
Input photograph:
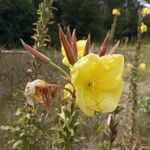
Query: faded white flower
(35, 90)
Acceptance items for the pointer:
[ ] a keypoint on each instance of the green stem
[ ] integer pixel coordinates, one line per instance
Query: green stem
(68, 146)
(110, 146)
(60, 69)
(61, 87)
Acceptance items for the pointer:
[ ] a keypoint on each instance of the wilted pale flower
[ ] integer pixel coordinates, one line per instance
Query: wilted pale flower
(80, 49)
(142, 66)
(143, 28)
(37, 91)
(146, 11)
(98, 82)
(116, 12)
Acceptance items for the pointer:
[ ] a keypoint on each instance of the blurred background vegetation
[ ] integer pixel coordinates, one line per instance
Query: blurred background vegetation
(90, 16)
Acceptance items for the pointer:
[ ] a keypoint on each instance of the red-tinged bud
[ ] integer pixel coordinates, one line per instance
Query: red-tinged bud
(104, 45)
(35, 53)
(68, 35)
(114, 49)
(68, 50)
(74, 43)
(87, 46)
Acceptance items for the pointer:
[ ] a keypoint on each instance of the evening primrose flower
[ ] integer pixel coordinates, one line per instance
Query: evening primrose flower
(143, 28)
(145, 11)
(142, 66)
(37, 92)
(80, 49)
(116, 12)
(98, 82)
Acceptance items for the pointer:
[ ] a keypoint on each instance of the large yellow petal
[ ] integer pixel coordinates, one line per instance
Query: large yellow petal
(81, 103)
(111, 71)
(108, 100)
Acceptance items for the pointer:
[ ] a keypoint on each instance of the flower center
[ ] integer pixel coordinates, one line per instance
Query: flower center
(89, 84)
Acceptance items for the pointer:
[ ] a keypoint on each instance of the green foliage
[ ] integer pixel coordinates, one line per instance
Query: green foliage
(127, 23)
(33, 129)
(144, 105)
(68, 123)
(29, 131)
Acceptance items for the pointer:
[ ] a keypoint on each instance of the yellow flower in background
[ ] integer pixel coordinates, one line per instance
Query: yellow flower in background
(98, 82)
(146, 11)
(33, 91)
(65, 61)
(116, 12)
(80, 48)
(143, 28)
(142, 66)
(67, 94)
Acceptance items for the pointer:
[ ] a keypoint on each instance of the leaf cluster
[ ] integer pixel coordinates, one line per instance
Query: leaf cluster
(67, 124)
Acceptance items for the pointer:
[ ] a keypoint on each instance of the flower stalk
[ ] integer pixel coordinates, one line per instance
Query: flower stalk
(113, 29)
(41, 37)
(45, 16)
(133, 85)
(84, 85)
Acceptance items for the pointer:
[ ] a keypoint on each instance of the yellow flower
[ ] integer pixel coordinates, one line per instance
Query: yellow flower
(67, 94)
(80, 48)
(33, 91)
(116, 12)
(98, 82)
(143, 28)
(146, 11)
(142, 66)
